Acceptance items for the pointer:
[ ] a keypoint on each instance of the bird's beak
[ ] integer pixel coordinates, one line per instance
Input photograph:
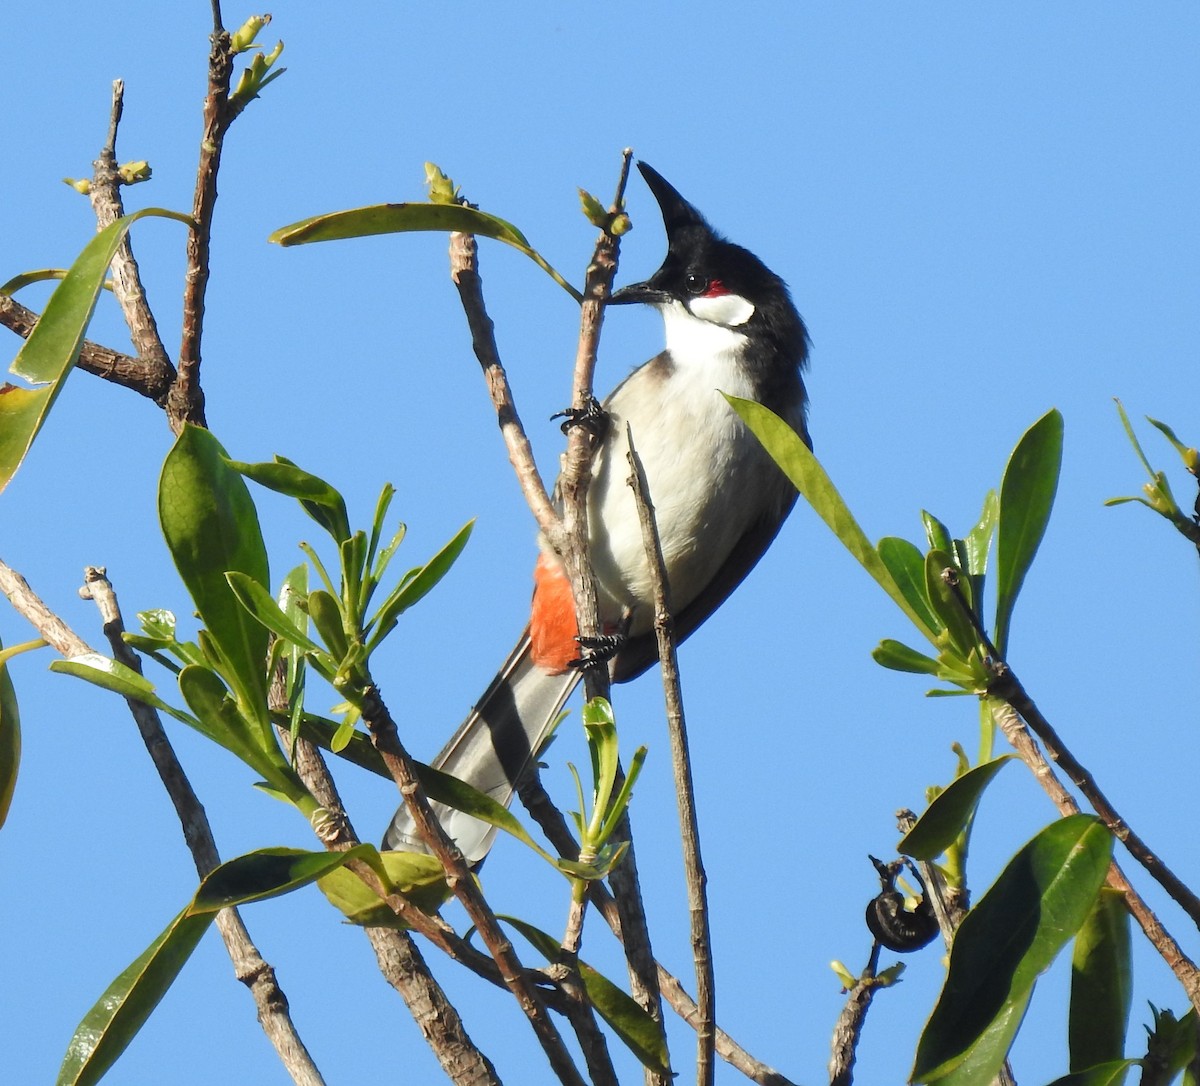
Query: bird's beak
(639, 292)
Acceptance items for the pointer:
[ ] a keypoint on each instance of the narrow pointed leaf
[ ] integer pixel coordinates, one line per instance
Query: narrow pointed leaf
(10, 741)
(947, 605)
(211, 527)
(937, 535)
(114, 1021)
(115, 676)
(50, 352)
(261, 604)
(1101, 984)
(947, 816)
(1026, 498)
(1011, 936)
(268, 873)
(906, 564)
(418, 585)
(320, 500)
(811, 480)
(637, 1030)
(400, 218)
(899, 657)
(1104, 1074)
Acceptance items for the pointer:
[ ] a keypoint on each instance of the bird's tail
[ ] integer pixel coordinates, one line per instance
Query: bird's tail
(495, 746)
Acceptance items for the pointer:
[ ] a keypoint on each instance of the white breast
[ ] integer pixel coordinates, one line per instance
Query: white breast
(709, 478)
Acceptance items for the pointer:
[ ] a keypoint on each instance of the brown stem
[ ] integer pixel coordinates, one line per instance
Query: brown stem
(1018, 736)
(458, 876)
(249, 966)
(554, 826)
(847, 1031)
(108, 206)
(398, 956)
(681, 764)
(121, 369)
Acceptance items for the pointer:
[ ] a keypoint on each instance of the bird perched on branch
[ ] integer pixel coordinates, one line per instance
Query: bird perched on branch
(719, 498)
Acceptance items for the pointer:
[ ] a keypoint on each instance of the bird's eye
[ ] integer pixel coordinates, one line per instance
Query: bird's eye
(696, 283)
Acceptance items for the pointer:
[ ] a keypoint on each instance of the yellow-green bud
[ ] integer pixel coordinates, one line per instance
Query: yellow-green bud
(620, 225)
(132, 172)
(441, 188)
(243, 38)
(844, 976)
(83, 186)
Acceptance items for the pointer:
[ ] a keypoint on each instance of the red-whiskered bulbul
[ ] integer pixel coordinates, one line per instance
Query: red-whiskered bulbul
(719, 499)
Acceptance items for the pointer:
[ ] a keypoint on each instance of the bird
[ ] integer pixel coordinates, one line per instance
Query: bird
(719, 499)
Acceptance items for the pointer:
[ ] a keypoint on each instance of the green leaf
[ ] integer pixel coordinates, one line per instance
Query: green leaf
(899, 657)
(1026, 498)
(1104, 1074)
(958, 630)
(419, 877)
(937, 535)
(639, 1032)
(261, 604)
(948, 815)
(217, 714)
(810, 478)
(326, 615)
(416, 586)
(319, 500)
(114, 1021)
(906, 564)
(1011, 936)
(400, 218)
(211, 527)
(268, 873)
(1101, 984)
(50, 352)
(360, 750)
(10, 741)
(112, 675)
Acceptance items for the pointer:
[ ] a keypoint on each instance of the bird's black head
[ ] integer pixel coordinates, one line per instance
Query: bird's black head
(719, 282)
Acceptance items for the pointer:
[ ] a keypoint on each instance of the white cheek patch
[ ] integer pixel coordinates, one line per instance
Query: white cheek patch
(730, 310)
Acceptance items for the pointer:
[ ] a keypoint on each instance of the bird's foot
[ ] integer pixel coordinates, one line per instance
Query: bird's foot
(592, 417)
(596, 651)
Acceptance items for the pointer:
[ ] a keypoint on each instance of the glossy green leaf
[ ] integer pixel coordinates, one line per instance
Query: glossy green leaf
(419, 877)
(326, 616)
(811, 480)
(217, 714)
(1101, 984)
(937, 535)
(400, 218)
(636, 1029)
(899, 657)
(1104, 1074)
(115, 676)
(360, 750)
(948, 815)
(50, 352)
(10, 741)
(947, 604)
(906, 564)
(320, 500)
(1011, 936)
(211, 527)
(114, 1021)
(268, 873)
(261, 604)
(417, 585)
(1026, 498)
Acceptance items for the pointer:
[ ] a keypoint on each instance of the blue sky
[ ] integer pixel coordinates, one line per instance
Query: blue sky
(982, 213)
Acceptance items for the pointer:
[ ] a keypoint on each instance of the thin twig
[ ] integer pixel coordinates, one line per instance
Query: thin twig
(1018, 736)
(558, 833)
(121, 369)
(105, 195)
(458, 876)
(847, 1031)
(681, 764)
(249, 966)
(273, 1012)
(399, 959)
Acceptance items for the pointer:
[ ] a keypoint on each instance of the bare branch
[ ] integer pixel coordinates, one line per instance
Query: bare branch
(1023, 743)
(387, 741)
(105, 195)
(681, 764)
